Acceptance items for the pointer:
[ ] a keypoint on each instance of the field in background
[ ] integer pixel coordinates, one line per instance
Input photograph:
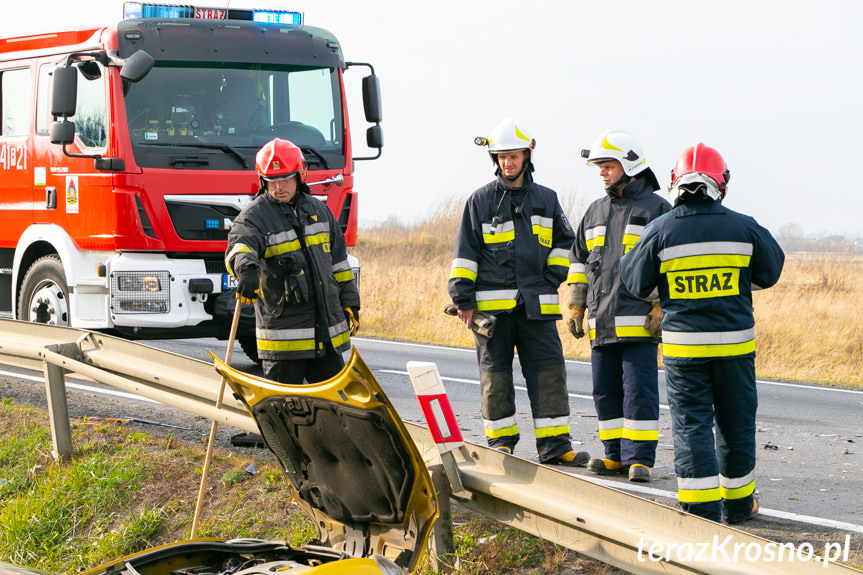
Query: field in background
(809, 327)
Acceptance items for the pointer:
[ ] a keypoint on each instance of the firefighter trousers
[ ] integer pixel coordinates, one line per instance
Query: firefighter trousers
(541, 356)
(306, 370)
(626, 397)
(715, 477)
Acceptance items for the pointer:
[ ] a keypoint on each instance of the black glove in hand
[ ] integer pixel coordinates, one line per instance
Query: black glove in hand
(352, 315)
(247, 285)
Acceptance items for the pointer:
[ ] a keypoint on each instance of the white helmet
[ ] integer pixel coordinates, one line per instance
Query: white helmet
(620, 146)
(507, 137)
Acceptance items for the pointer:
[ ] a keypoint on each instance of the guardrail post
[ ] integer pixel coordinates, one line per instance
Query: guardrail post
(442, 544)
(58, 410)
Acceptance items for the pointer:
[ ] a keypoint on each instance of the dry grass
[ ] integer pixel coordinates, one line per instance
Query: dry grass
(809, 326)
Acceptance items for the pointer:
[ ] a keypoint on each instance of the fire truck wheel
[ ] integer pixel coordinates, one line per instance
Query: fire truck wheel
(44, 296)
(249, 345)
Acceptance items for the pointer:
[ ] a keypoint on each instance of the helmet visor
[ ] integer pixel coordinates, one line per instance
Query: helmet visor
(280, 177)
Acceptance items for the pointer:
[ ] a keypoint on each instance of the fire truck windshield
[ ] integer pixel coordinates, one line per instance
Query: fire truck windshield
(233, 111)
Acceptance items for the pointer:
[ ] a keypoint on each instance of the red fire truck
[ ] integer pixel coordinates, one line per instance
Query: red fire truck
(126, 152)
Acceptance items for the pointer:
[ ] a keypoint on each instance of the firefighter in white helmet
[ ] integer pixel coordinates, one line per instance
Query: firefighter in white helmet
(705, 261)
(623, 329)
(509, 259)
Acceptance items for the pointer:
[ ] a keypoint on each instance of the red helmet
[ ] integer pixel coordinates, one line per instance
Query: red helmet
(280, 159)
(700, 164)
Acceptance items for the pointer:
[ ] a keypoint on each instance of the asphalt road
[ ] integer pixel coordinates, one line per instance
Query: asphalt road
(810, 456)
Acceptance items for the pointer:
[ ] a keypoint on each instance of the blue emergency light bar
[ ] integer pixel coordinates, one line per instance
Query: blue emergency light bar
(134, 10)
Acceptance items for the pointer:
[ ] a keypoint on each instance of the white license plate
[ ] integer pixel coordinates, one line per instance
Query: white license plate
(228, 282)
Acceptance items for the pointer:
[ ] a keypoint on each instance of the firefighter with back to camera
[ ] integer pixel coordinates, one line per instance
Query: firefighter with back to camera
(509, 259)
(288, 254)
(705, 261)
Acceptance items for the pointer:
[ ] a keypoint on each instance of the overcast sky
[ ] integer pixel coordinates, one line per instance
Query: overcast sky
(774, 85)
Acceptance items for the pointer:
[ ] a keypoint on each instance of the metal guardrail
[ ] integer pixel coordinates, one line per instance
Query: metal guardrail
(623, 530)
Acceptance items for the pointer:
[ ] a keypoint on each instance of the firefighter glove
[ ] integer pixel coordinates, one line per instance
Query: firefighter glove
(352, 315)
(247, 285)
(653, 319)
(296, 287)
(576, 321)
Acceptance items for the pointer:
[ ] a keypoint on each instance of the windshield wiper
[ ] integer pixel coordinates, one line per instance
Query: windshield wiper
(224, 147)
(317, 154)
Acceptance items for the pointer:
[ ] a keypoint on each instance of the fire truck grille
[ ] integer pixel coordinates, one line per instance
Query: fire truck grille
(216, 266)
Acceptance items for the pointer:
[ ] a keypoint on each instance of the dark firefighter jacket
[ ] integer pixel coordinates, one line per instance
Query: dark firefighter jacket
(610, 227)
(706, 261)
(306, 280)
(511, 249)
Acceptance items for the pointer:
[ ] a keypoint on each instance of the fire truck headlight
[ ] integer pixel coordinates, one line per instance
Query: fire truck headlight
(135, 281)
(140, 292)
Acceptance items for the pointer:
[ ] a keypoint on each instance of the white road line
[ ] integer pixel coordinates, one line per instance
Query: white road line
(578, 362)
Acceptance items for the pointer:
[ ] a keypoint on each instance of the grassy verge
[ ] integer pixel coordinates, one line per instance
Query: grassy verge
(124, 491)
(809, 327)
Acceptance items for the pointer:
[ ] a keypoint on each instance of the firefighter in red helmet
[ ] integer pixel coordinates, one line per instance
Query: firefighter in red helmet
(706, 261)
(288, 254)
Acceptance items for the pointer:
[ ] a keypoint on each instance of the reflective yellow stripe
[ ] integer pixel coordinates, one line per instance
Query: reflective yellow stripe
(631, 331)
(596, 242)
(495, 304)
(552, 431)
(462, 273)
(286, 345)
(698, 496)
(342, 277)
(606, 434)
(284, 247)
(718, 350)
(549, 309)
(576, 278)
(340, 339)
(321, 239)
(491, 300)
(640, 434)
(629, 240)
(562, 262)
(504, 427)
(709, 261)
(739, 492)
(641, 429)
(505, 432)
(238, 248)
(499, 238)
(543, 236)
(630, 326)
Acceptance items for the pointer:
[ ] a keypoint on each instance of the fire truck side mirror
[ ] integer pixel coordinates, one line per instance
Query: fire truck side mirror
(375, 137)
(62, 132)
(64, 94)
(136, 66)
(372, 99)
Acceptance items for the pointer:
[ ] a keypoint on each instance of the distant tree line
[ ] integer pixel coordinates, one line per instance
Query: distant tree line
(792, 239)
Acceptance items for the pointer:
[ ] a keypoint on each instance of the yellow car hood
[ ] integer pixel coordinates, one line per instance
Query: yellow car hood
(349, 460)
